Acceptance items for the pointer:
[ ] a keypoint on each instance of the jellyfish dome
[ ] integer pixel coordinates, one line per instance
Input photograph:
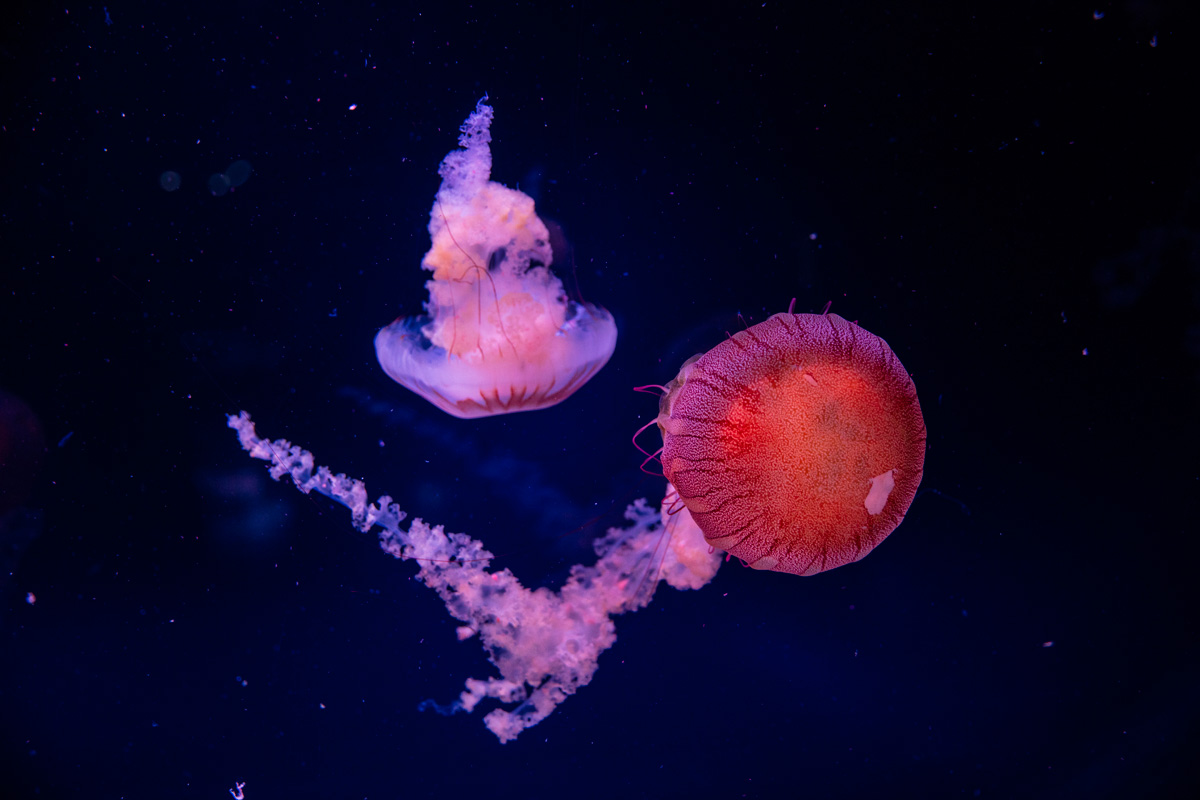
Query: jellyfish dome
(797, 444)
(500, 334)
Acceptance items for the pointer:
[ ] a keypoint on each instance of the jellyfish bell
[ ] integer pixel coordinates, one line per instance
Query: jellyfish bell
(797, 444)
(499, 334)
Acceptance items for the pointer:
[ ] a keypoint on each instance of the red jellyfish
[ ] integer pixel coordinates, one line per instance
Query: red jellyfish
(797, 444)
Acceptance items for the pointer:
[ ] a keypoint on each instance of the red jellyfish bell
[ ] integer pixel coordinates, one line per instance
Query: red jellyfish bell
(797, 444)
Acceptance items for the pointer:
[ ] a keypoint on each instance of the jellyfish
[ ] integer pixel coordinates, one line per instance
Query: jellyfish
(545, 644)
(500, 334)
(796, 444)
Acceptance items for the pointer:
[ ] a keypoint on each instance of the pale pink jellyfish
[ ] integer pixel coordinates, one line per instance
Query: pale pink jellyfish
(500, 335)
(797, 444)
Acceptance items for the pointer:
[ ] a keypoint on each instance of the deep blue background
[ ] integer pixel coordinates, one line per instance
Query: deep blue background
(993, 189)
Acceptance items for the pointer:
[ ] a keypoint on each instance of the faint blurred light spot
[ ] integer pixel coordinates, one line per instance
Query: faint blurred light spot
(238, 173)
(218, 184)
(169, 180)
(234, 175)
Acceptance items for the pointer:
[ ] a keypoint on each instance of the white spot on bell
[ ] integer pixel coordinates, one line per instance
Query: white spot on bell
(881, 487)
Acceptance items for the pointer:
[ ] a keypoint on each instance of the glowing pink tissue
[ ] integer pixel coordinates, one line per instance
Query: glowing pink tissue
(545, 644)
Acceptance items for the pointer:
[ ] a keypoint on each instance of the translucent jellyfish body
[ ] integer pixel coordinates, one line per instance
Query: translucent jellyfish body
(500, 334)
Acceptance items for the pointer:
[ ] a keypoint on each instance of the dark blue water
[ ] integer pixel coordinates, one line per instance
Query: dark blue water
(217, 208)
